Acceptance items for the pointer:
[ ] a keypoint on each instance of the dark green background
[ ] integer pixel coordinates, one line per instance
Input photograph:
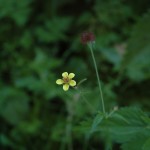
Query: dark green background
(41, 39)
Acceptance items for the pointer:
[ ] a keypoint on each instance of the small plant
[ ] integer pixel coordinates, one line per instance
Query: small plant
(120, 125)
(88, 39)
(108, 109)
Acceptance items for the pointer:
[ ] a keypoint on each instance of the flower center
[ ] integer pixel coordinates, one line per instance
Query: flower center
(66, 80)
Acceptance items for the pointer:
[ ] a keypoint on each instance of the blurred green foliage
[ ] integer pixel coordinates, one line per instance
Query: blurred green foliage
(40, 40)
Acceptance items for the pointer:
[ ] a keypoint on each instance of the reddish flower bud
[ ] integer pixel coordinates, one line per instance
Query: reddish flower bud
(87, 37)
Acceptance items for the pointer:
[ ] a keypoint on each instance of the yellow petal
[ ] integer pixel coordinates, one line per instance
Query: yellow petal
(59, 81)
(72, 83)
(65, 87)
(71, 75)
(65, 74)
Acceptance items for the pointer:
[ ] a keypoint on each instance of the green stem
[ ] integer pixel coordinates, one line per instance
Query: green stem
(98, 79)
(83, 80)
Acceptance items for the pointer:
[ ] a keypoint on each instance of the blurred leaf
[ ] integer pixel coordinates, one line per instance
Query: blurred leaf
(13, 105)
(18, 11)
(26, 40)
(82, 71)
(43, 63)
(31, 127)
(136, 144)
(97, 120)
(53, 30)
(28, 82)
(112, 12)
(111, 55)
(4, 140)
(146, 145)
(136, 60)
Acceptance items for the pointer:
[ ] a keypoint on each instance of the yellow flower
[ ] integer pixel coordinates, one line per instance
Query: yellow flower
(66, 80)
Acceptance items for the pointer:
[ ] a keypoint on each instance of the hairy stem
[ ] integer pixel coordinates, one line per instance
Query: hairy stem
(98, 79)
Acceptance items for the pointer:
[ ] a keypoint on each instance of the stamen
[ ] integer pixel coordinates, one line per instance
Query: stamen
(66, 80)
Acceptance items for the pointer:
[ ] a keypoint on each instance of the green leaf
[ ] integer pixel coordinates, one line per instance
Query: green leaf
(146, 145)
(136, 61)
(53, 30)
(97, 120)
(4, 140)
(111, 55)
(14, 105)
(134, 144)
(124, 125)
(17, 11)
